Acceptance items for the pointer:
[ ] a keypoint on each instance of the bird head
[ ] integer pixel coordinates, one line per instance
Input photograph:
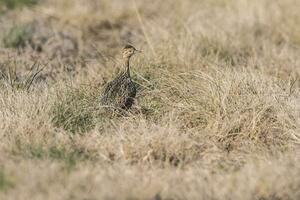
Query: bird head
(129, 51)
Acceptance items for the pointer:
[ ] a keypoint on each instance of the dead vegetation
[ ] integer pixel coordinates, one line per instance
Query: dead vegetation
(217, 114)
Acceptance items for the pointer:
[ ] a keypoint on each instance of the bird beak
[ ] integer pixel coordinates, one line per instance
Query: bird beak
(138, 51)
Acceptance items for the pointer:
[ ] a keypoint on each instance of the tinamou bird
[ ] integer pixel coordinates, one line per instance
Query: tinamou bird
(121, 91)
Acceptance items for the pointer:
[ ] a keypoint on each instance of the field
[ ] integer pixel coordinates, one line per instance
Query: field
(217, 113)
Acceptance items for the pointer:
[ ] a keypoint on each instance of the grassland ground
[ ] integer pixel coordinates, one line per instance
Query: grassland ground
(217, 114)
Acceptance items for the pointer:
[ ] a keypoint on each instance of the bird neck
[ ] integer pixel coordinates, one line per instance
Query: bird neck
(126, 67)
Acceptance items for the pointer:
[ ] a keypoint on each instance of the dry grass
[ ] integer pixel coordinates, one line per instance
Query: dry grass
(217, 114)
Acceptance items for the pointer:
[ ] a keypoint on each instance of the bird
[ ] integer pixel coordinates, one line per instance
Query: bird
(121, 91)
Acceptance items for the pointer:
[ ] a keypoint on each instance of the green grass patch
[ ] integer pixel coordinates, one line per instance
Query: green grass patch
(5, 182)
(16, 37)
(13, 4)
(69, 156)
(77, 110)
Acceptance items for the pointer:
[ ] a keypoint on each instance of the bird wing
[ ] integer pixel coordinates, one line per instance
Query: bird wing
(120, 91)
(107, 92)
(130, 93)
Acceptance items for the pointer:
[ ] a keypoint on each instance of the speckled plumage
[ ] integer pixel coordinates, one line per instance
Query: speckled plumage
(121, 91)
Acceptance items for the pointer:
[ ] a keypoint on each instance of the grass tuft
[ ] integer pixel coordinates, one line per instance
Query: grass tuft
(16, 37)
(77, 110)
(11, 79)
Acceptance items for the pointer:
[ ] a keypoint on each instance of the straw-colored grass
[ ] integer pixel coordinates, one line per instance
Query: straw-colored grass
(217, 114)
